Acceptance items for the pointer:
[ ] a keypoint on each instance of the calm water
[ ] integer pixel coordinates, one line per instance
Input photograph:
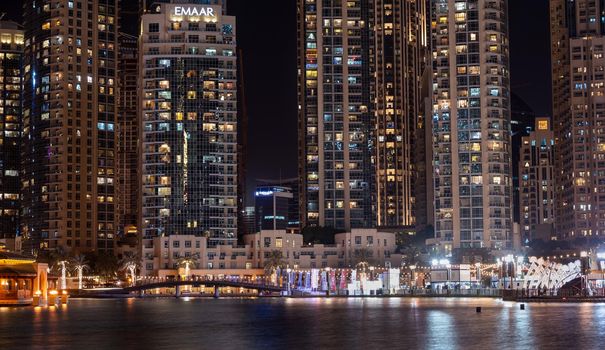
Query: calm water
(303, 324)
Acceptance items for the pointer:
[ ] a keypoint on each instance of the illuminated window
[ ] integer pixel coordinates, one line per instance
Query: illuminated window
(542, 124)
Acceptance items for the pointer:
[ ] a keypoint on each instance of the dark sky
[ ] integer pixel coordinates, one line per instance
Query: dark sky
(267, 35)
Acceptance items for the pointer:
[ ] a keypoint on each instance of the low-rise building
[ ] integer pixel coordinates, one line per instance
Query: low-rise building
(367, 245)
(22, 278)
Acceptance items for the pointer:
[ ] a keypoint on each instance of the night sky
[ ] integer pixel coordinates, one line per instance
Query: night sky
(267, 35)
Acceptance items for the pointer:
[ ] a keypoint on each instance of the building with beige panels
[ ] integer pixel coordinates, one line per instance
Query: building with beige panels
(250, 259)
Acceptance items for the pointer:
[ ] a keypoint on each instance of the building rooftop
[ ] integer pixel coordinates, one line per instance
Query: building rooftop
(4, 255)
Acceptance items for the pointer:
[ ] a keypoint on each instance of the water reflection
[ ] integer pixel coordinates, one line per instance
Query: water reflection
(441, 330)
(319, 323)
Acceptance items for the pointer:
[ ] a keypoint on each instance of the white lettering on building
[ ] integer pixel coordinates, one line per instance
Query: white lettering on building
(194, 11)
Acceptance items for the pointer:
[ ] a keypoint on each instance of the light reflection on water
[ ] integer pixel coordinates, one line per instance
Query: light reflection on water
(357, 323)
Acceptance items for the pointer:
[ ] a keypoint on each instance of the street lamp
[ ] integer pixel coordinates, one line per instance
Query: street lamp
(413, 280)
(584, 263)
(288, 271)
(328, 280)
(509, 259)
(500, 277)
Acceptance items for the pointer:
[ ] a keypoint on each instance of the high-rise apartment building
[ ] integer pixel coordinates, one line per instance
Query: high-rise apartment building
(471, 123)
(127, 130)
(361, 112)
(188, 123)
(69, 124)
(335, 47)
(578, 80)
(400, 60)
(11, 87)
(536, 183)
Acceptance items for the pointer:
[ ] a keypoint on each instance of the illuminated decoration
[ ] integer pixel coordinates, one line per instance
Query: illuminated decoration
(277, 217)
(263, 193)
(63, 265)
(194, 11)
(550, 275)
(79, 264)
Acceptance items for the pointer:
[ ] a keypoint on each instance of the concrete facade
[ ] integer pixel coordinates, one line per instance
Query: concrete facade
(379, 250)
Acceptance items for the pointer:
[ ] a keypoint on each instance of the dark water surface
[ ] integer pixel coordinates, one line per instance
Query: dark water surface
(303, 324)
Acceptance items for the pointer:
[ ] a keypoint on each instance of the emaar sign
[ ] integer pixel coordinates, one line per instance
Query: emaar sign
(194, 11)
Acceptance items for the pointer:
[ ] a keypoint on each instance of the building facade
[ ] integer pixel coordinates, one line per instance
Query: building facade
(272, 205)
(379, 250)
(471, 123)
(188, 123)
(11, 87)
(127, 134)
(400, 46)
(361, 112)
(335, 148)
(69, 125)
(577, 48)
(536, 183)
(294, 204)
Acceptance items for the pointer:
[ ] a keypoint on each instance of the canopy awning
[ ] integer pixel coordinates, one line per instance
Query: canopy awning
(21, 270)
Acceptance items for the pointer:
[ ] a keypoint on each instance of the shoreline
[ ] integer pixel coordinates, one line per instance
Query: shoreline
(595, 300)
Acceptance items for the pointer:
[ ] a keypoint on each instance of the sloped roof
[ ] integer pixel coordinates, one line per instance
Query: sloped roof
(15, 256)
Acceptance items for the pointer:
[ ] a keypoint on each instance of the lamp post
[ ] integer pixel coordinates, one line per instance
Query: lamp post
(449, 275)
(328, 281)
(413, 280)
(584, 263)
(500, 277)
(288, 271)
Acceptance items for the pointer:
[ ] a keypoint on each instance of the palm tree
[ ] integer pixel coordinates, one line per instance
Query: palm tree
(412, 255)
(79, 264)
(362, 258)
(60, 260)
(187, 261)
(130, 262)
(274, 261)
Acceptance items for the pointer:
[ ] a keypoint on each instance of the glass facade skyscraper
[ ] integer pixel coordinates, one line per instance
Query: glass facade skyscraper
(69, 125)
(471, 123)
(188, 124)
(11, 86)
(578, 89)
(361, 112)
(401, 48)
(334, 117)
